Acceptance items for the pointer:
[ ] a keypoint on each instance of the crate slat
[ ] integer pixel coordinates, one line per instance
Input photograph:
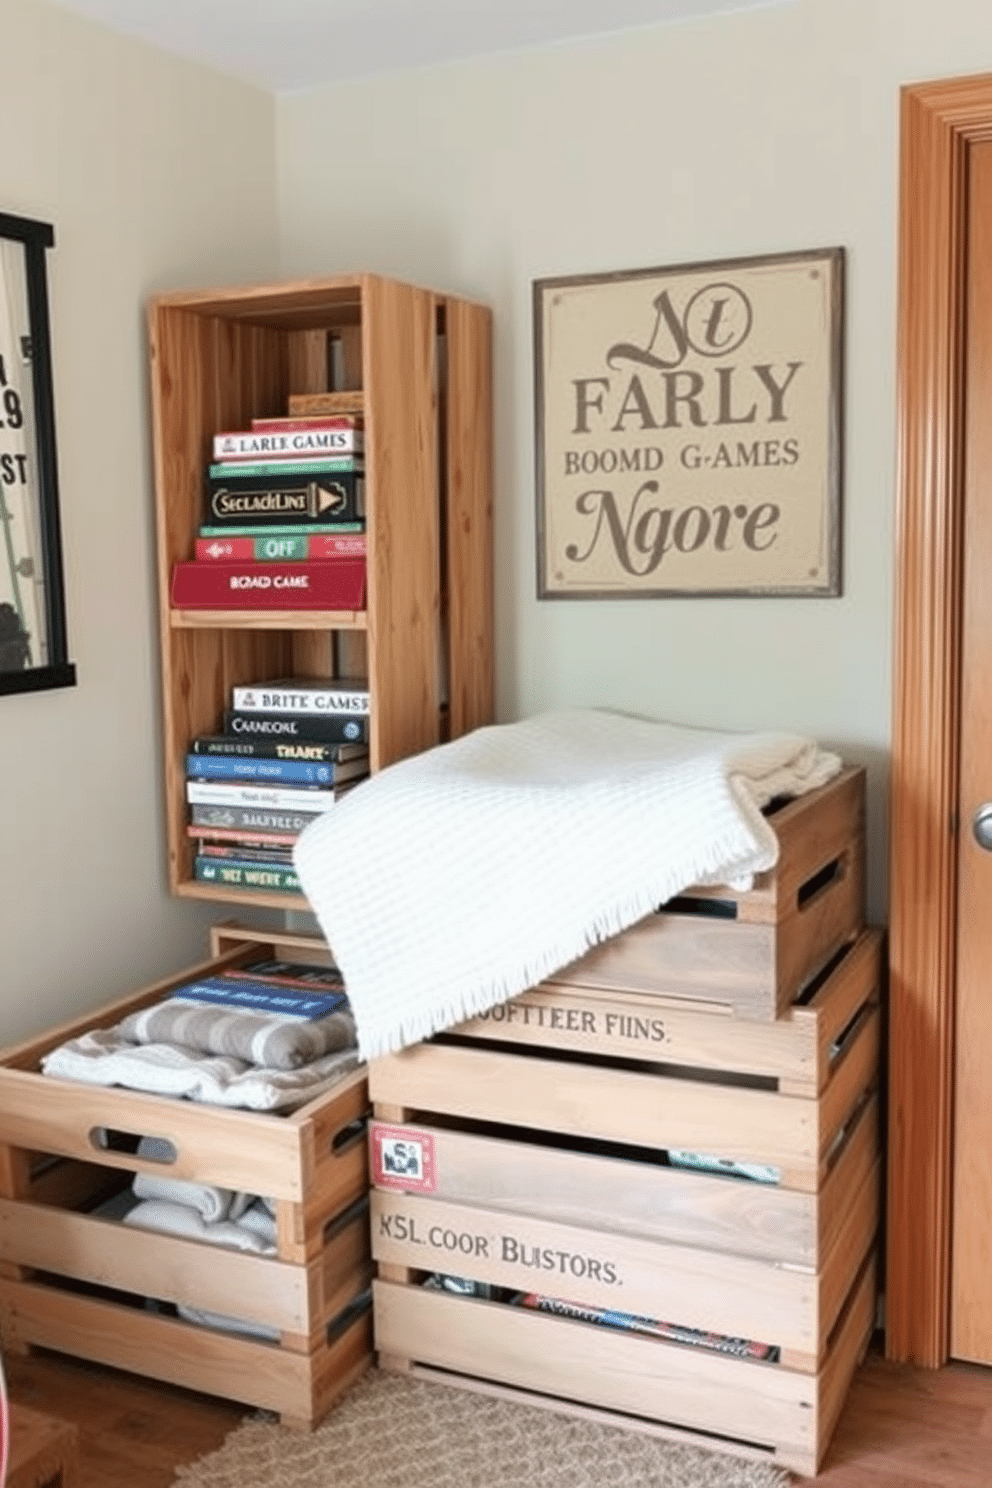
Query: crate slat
(796, 1048)
(180, 1353)
(719, 1401)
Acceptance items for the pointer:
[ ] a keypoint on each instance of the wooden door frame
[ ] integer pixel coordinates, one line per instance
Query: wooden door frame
(939, 121)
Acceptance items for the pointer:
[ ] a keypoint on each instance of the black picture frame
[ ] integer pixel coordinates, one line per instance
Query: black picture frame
(33, 640)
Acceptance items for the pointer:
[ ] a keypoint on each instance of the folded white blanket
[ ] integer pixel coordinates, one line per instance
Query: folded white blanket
(254, 1231)
(103, 1057)
(179, 1219)
(211, 1202)
(457, 878)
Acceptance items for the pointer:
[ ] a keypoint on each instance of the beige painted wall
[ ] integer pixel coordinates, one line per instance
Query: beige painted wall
(745, 134)
(156, 174)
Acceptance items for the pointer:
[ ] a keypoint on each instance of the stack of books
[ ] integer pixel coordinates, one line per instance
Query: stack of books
(288, 751)
(284, 519)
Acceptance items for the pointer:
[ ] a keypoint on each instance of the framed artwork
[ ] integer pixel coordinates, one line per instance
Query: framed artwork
(33, 646)
(689, 429)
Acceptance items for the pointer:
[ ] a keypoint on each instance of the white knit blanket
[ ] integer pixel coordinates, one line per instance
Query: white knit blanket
(457, 878)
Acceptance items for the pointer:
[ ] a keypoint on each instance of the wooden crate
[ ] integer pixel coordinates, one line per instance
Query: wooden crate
(88, 1286)
(751, 952)
(44, 1452)
(716, 1099)
(540, 1164)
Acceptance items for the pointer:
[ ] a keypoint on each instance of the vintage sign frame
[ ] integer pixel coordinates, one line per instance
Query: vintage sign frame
(689, 429)
(33, 642)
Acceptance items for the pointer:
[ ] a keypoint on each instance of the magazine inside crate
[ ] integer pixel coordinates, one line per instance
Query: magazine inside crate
(692, 1340)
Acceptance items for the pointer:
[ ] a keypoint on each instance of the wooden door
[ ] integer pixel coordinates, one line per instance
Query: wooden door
(971, 1227)
(945, 126)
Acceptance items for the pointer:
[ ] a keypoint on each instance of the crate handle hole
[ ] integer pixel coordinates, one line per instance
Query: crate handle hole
(348, 1315)
(847, 1036)
(819, 979)
(347, 1136)
(358, 1211)
(135, 1144)
(819, 882)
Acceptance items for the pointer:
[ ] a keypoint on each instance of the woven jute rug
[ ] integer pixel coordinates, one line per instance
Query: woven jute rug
(392, 1431)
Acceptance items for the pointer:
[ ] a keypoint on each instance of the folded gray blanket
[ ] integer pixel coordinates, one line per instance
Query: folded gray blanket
(103, 1057)
(290, 1030)
(211, 1202)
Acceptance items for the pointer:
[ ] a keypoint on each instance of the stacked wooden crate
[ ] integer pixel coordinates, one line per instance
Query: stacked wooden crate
(546, 1148)
(78, 1281)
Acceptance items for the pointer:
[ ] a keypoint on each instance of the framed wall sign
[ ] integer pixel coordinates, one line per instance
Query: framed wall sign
(33, 647)
(688, 429)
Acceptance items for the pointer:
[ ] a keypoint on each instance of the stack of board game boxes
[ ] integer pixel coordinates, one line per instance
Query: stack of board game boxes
(283, 519)
(650, 1187)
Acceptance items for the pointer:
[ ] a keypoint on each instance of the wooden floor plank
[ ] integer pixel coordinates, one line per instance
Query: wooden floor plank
(131, 1430)
(911, 1428)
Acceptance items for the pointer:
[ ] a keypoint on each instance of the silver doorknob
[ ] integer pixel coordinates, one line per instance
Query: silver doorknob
(981, 826)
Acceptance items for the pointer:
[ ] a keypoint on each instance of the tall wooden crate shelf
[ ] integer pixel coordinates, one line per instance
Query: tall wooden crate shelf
(711, 1161)
(422, 361)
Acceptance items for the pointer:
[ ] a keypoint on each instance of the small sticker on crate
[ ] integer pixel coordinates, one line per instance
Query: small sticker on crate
(402, 1158)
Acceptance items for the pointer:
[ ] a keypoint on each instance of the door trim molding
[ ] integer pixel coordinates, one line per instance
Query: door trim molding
(938, 123)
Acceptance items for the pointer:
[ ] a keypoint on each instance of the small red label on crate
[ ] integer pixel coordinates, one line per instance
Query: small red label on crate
(402, 1157)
